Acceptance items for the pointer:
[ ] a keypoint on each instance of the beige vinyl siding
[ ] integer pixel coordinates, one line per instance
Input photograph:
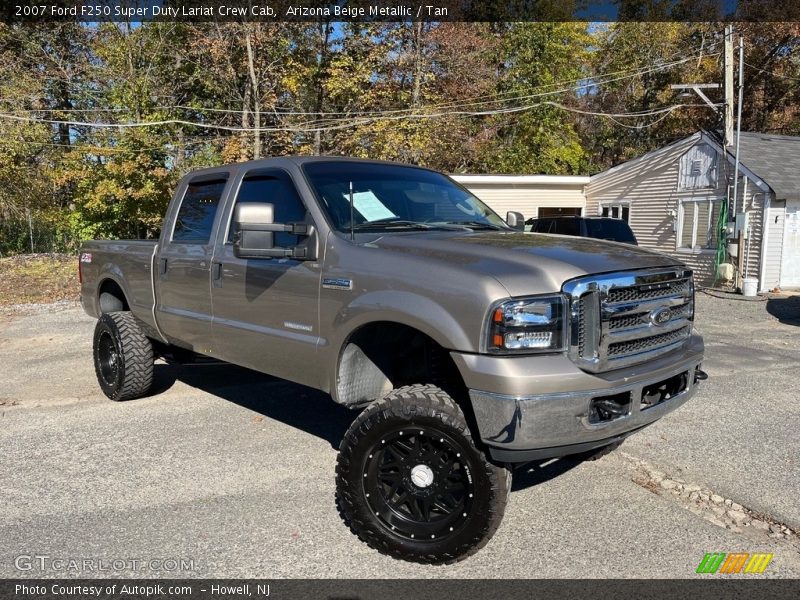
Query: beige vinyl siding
(775, 219)
(652, 186)
(527, 198)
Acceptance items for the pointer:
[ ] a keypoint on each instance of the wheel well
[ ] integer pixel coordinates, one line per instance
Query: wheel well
(382, 356)
(112, 298)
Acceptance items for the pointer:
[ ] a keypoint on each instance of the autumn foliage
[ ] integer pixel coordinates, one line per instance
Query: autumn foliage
(98, 122)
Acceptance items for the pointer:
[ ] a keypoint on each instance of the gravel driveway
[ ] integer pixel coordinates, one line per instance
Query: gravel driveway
(232, 471)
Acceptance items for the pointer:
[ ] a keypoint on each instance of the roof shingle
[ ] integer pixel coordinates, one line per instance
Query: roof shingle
(774, 158)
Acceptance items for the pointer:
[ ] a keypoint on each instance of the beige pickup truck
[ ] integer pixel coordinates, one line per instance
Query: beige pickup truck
(465, 345)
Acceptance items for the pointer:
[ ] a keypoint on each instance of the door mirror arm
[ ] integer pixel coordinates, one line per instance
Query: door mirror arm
(254, 232)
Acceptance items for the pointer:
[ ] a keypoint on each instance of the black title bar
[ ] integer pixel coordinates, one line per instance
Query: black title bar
(710, 587)
(31, 11)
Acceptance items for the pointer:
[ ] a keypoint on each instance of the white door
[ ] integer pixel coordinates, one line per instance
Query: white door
(790, 265)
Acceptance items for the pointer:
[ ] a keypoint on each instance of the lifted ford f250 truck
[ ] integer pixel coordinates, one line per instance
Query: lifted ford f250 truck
(467, 345)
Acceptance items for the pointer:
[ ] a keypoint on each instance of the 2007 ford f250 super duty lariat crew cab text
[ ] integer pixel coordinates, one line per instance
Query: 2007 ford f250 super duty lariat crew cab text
(466, 345)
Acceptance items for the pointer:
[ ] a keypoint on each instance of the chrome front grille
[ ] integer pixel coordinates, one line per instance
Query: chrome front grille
(642, 318)
(634, 294)
(627, 318)
(649, 343)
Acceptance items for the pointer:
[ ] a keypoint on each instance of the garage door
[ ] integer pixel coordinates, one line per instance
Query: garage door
(790, 267)
(558, 211)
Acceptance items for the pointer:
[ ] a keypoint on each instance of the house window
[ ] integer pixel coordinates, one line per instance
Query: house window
(617, 211)
(697, 224)
(698, 168)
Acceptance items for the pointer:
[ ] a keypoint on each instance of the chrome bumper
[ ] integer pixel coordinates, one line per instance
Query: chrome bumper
(558, 423)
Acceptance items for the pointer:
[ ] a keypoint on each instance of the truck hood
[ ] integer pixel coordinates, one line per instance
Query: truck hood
(524, 263)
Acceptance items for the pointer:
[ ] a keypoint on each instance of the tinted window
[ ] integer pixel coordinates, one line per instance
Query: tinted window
(568, 226)
(196, 214)
(543, 226)
(276, 188)
(610, 229)
(385, 192)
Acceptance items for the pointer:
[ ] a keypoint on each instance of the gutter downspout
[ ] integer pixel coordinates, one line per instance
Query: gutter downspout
(747, 224)
(764, 233)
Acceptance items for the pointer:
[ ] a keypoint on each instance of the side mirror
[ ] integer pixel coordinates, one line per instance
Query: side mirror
(254, 229)
(515, 220)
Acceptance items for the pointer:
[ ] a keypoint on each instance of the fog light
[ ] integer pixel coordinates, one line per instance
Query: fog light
(528, 339)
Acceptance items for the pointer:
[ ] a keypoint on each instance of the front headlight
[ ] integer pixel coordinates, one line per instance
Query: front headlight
(529, 325)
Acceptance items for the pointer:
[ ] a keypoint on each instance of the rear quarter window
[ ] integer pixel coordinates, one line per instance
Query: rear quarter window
(568, 227)
(615, 230)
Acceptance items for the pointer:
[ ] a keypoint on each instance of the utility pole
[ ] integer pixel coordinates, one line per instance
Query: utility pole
(727, 105)
(728, 85)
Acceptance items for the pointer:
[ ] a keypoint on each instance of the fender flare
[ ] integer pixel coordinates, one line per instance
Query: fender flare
(110, 272)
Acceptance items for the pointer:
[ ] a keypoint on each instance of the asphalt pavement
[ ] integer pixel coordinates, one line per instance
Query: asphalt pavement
(229, 473)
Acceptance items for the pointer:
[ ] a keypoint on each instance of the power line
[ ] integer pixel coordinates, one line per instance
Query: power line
(773, 73)
(350, 124)
(584, 83)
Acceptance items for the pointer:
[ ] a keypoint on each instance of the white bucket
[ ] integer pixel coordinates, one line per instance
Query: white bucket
(749, 286)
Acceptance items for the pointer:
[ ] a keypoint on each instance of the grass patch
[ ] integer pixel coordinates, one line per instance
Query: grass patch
(38, 278)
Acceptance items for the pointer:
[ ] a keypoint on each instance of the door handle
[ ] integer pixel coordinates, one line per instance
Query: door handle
(216, 272)
(162, 266)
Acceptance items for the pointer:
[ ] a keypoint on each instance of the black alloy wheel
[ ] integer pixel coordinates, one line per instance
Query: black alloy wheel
(416, 481)
(123, 356)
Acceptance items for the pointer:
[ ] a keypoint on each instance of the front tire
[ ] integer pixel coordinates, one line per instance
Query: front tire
(411, 483)
(123, 357)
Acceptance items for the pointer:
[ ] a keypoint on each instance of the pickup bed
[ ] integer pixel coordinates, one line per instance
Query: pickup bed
(465, 345)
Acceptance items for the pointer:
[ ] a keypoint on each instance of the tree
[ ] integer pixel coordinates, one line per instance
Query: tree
(538, 60)
(772, 77)
(634, 65)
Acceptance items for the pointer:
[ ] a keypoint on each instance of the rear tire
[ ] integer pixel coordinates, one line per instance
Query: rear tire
(411, 483)
(123, 357)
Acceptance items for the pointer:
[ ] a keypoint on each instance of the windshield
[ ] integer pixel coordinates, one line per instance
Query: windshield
(389, 197)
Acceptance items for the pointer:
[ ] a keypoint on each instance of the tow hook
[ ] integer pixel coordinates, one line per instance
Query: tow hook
(700, 375)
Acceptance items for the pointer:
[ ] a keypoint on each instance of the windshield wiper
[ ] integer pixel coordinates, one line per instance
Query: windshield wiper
(474, 224)
(393, 224)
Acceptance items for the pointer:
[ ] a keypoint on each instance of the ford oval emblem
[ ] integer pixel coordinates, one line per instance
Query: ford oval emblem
(660, 316)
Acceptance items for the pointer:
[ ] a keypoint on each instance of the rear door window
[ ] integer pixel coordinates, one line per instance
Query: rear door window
(198, 210)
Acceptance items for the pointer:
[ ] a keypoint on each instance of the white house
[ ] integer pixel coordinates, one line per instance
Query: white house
(532, 195)
(672, 196)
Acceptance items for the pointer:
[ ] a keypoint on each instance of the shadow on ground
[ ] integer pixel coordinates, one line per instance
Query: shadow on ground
(295, 405)
(785, 308)
(305, 408)
(539, 472)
